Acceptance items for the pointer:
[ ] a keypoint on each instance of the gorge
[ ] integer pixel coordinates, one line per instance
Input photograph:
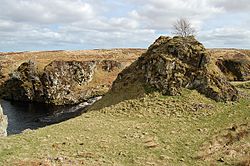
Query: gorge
(38, 93)
(42, 92)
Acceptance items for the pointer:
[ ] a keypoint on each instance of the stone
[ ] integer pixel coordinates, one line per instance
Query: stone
(110, 65)
(171, 64)
(151, 144)
(221, 159)
(59, 83)
(61, 77)
(3, 123)
(24, 84)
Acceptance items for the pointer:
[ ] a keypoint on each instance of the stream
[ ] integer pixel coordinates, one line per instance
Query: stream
(23, 115)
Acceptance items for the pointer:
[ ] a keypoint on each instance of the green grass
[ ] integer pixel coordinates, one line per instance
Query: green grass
(150, 130)
(245, 85)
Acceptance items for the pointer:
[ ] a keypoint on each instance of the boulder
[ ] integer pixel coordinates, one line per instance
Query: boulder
(3, 123)
(171, 64)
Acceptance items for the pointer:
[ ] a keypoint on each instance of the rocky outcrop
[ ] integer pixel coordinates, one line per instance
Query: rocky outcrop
(60, 82)
(60, 79)
(235, 68)
(110, 65)
(171, 64)
(24, 84)
(3, 123)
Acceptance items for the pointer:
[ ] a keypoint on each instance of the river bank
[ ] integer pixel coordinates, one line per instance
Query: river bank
(23, 116)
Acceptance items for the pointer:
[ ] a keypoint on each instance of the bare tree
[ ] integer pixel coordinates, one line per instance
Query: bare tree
(183, 27)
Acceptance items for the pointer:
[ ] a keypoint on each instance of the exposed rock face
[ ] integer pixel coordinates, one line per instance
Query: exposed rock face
(110, 65)
(174, 63)
(61, 77)
(236, 68)
(3, 123)
(24, 84)
(60, 83)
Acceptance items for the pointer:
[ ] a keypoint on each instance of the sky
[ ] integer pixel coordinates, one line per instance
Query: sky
(29, 25)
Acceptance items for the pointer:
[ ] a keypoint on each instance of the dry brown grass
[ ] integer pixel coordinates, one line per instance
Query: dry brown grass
(230, 53)
(11, 61)
(231, 143)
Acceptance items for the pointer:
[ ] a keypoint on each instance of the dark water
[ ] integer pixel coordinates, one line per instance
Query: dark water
(22, 116)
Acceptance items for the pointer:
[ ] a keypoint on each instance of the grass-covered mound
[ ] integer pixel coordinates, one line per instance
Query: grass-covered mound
(169, 65)
(151, 130)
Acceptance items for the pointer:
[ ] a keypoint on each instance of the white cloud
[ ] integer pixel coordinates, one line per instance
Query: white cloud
(227, 37)
(46, 11)
(233, 5)
(85, 24)
(162, 13)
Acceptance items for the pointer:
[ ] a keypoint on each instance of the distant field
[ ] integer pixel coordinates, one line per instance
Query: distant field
(11, 61)
(228, 53)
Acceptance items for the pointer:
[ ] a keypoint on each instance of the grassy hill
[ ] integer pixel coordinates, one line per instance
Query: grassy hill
(150, 130)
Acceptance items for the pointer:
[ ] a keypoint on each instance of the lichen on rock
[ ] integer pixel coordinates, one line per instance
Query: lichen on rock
(24, 84)
(171, 64)
(60, 82)
(61, 77)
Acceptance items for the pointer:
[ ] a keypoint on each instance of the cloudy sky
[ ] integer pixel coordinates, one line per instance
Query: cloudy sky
(88, 24)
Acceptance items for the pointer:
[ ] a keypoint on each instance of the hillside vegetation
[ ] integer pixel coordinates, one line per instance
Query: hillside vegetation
(151, 130)
(161, 110)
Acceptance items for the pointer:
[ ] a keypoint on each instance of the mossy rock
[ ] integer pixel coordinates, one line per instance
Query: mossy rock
(171, 64)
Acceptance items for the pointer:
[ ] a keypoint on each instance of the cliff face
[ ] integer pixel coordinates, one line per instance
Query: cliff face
(171, 64)
(61, 82)
(24, 84)
(61, 78)
(3, 123)
(235, 67)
